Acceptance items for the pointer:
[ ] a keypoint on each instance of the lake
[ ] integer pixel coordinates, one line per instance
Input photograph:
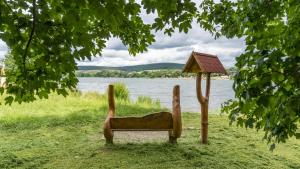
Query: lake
(161, 88)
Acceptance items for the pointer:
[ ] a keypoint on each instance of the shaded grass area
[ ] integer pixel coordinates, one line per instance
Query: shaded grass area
(67, 133)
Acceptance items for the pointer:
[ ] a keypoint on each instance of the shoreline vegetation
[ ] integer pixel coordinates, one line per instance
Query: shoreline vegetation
(162, 73)
(154, 70)
(66, 132)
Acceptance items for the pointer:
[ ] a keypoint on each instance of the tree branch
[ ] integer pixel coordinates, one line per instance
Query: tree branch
(31, 34)
(9, 8)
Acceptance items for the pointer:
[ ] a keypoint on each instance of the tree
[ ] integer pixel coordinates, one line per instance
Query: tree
(267, 85)
(46, 38)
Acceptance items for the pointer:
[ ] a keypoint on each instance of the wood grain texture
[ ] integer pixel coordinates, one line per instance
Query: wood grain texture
(154, 121)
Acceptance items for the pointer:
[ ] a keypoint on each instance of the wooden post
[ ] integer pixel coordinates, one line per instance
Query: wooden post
(204, 105)
(108, 133)
(176, 116)
(111, 101)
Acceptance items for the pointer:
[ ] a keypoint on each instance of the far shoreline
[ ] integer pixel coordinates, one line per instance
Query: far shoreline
(183, 78)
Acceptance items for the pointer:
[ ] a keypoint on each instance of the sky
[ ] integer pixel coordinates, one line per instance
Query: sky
(174, 49)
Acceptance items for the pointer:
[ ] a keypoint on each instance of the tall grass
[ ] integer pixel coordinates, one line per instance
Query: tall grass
(76, 108)
(121, 91)
(147, 100)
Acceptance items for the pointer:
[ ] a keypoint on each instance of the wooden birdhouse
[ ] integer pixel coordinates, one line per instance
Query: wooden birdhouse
(202, 63)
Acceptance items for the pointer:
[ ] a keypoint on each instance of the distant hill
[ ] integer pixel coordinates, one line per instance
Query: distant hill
(153, 66)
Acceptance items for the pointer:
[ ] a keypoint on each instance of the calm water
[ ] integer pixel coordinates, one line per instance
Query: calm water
(221, 90)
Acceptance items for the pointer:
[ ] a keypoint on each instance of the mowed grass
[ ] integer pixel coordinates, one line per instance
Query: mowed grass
(67, 133)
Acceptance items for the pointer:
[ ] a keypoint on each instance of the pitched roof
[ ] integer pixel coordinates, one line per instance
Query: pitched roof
(202, 62)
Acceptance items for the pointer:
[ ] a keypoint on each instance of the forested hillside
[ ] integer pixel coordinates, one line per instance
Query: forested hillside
(153, 66)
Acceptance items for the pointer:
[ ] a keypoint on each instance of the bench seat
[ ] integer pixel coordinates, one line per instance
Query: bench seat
(152, 122)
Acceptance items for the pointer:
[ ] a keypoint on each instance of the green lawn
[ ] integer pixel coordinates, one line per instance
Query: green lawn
(67, 133)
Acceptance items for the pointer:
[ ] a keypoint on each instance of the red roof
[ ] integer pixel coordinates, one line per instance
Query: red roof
(202, 62)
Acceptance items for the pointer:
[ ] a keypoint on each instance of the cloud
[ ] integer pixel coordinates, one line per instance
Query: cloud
(115, 43)
(113, 57)
(3, 46)
(176, 48)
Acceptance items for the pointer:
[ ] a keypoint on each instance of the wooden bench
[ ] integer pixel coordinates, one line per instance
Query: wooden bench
(161, 121)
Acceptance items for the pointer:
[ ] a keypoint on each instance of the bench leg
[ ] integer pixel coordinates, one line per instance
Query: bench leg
(109, 141)
(108, 133)
(108, 136)
(172, 139)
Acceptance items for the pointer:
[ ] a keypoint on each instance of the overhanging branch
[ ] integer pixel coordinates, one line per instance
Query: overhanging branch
(31, 34)
(11, 10)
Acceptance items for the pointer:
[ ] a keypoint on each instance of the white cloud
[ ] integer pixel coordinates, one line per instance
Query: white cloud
(171, 49)
(176, 48)
(166, 49)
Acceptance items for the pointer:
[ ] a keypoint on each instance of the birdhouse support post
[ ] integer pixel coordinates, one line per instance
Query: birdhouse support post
(203, 100)
(201, 63)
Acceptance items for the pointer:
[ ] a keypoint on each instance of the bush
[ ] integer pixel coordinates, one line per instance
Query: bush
(121, 91)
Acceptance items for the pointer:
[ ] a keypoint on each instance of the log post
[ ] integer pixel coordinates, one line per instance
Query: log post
(108, 133)
(176, 116)
(111, 101)
(204, 105)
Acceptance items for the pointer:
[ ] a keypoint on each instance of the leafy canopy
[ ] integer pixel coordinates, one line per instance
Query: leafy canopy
(46, 38)
(267, 85)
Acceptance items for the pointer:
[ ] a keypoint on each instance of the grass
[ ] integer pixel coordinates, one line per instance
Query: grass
(67, 133)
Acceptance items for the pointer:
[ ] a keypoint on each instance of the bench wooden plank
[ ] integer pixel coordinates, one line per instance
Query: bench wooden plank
(156, 121)
(141, 129)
